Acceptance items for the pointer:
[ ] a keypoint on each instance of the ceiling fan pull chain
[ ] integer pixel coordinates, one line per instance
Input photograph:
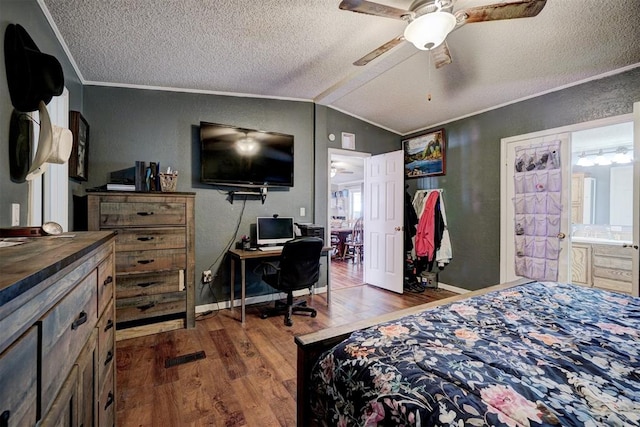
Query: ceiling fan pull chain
(429, 79)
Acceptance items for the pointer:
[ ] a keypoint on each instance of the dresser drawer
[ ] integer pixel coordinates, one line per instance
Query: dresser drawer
(137, 285)
(107, 401)
(18, 380)
(65, 330)
(106, 283)
(136, 308)
(154, 260)
(106, 344)
(118, 214)
(137, 239)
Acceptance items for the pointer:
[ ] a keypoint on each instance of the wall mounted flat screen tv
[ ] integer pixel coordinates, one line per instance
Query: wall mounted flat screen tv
(245, 157)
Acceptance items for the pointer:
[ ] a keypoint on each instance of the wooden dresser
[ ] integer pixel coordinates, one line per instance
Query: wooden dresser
(155, 260)
(57, 351)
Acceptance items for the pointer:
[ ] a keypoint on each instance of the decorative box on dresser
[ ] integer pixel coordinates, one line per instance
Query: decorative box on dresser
(155, 241)
(57, 317)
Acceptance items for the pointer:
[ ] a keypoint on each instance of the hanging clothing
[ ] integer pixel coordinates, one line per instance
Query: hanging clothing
(433, 244)
(425, 235)
(444, 254)
(410, 222)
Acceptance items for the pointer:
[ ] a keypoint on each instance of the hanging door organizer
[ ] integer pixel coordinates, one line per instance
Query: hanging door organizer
(538, 209)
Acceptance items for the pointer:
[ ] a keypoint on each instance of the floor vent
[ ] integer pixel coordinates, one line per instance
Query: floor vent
(185, 358)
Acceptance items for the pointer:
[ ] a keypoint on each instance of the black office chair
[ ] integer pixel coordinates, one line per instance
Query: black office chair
(299, 268)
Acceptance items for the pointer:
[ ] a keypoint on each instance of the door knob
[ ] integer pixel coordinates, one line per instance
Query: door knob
(561, 235)
(398, 228)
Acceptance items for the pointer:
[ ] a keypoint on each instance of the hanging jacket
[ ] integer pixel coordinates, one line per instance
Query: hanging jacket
(425, 235)
(410, 222)
(444, 253)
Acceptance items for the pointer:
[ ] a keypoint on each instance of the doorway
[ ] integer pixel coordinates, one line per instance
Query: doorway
(595, 242)
(345, 207)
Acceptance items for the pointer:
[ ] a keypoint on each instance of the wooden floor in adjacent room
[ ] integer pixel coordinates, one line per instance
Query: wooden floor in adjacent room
(248, 377)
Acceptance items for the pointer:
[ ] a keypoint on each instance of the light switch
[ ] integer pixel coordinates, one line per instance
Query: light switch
(303, 211)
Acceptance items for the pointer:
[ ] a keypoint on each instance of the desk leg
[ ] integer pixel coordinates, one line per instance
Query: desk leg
(243, 288)
(233, 280)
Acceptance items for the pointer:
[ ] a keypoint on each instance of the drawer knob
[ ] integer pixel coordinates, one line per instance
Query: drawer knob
(145, 261)
(82, 318)
(108, 281)
(109, 401)
(145, 239)
(4, 419)
(145, 213)
(147, 306)
(109, 358)
(109, 325)
(146, 284)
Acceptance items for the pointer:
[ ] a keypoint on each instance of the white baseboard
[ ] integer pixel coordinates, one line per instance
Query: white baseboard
(452, 288)
(277, 296)
(255, 300)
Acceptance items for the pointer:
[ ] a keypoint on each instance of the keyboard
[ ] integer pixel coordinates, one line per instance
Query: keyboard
(270, 248)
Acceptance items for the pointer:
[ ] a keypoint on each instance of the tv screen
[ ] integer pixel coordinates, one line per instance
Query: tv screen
(276, 231)
(245, 157)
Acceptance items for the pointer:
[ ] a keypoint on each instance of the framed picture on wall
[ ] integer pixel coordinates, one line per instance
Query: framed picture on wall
(78, 162)
(425, 155)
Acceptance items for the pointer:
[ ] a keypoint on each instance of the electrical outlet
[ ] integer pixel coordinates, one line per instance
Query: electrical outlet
(207, 277)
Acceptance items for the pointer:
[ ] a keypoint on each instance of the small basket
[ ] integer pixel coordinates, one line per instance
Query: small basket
(168, 182)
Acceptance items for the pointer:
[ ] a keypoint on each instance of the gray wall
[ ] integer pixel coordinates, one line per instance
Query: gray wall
(129, 125)
(28, 14)
(472, 181)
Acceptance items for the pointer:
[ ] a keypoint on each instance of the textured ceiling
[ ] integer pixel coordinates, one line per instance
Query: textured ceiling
(304, 50)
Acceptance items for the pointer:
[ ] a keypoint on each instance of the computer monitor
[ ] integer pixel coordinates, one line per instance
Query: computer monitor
(274, 231)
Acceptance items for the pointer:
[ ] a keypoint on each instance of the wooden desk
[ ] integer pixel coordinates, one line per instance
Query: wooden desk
(243, 256)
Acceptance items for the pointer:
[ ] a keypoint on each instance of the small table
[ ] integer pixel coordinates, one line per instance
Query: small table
(243, 256)
(342, 234)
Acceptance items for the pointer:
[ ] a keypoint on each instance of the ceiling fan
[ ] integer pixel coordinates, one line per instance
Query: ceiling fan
(338, 168)
(430, 21)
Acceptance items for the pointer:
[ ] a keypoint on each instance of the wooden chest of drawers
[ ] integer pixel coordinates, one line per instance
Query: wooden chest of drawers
(154, 258)
(56, 324)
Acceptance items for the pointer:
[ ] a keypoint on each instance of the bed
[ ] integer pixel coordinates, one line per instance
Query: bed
(518, 354)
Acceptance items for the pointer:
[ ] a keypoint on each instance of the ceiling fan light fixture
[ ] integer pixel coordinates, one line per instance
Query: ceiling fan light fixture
(429, 31)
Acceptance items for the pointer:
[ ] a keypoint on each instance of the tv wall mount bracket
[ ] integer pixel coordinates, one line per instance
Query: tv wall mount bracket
(261, 194)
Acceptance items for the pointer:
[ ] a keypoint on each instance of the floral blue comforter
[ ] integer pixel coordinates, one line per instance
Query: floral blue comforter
(540, 354)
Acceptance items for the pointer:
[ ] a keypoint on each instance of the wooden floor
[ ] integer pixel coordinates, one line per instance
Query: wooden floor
(248, 377)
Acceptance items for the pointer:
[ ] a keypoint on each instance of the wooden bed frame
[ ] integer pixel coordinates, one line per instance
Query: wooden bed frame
(311, 346)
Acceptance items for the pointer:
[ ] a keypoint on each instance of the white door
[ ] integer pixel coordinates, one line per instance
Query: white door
(635, 260)
(384, 220)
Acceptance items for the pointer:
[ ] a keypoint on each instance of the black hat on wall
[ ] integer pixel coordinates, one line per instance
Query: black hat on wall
(32, 76)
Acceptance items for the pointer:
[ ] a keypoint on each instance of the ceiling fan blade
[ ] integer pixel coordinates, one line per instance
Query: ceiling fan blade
(441, 55)
(379, 51)
(498, 11)
(371, 8)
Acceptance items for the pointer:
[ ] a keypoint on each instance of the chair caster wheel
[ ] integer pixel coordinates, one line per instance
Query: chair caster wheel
(264, 316)
(288, 323)
(314, 314)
